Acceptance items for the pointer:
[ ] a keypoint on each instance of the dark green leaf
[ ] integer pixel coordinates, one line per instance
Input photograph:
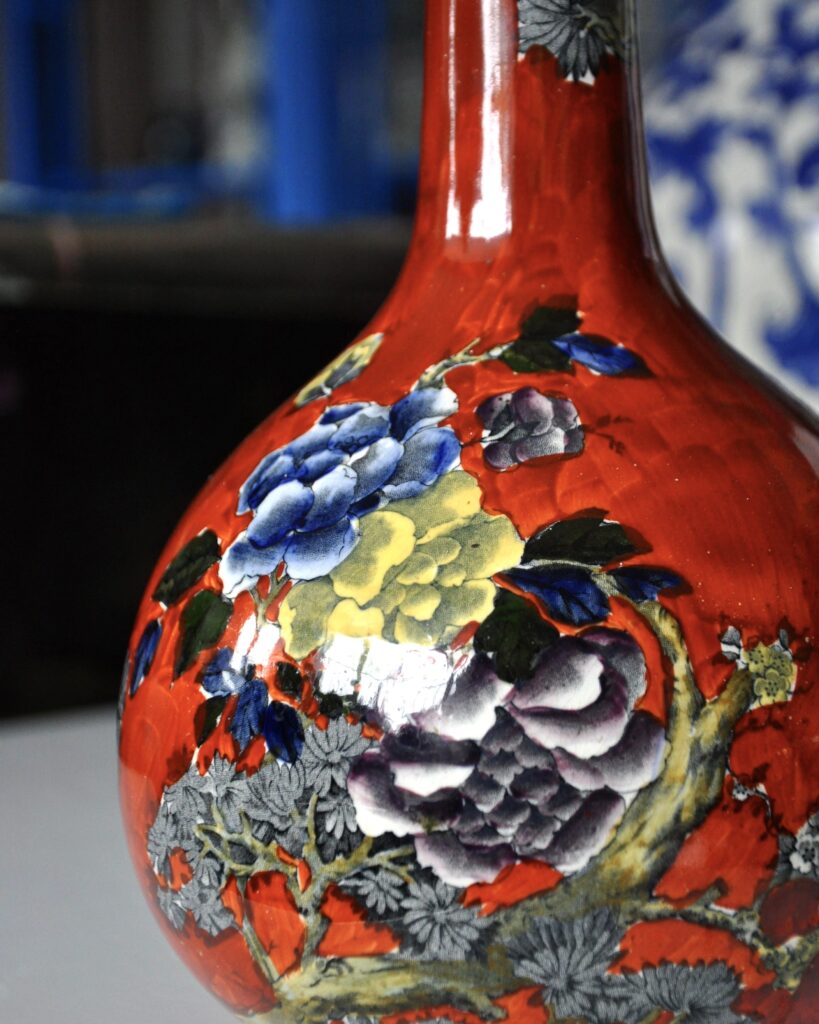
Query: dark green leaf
(514, 634)
(189, 566)
(332, 705)
(593, 541)
(201, 625)
(532, 355)
(208, 717)
(548, 323)
(288, 679)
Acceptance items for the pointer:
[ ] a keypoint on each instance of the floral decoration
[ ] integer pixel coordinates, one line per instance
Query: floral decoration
(577, 32)
(520, 740)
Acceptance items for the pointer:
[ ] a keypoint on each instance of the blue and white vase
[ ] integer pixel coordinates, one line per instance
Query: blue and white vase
(733, 133)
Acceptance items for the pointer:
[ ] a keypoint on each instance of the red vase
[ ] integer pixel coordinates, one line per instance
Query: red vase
(479, 682)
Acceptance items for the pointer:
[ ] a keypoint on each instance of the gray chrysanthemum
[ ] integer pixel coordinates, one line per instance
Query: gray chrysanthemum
(441, 927)
(697, 995)
(230, 790)
(205, 903)
(576, 32)
(380, 890)
(273, 793)
(338, 813)
(328, 753)
(163, 838)
(170, 903)
(189, 801)
(569, 959)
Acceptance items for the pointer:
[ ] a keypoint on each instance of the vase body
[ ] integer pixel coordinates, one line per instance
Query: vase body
(732, 122)
(478, 683)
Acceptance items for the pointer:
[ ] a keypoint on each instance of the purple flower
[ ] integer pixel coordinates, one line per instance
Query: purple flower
(307, 497)
(525, 424)
(500, 772)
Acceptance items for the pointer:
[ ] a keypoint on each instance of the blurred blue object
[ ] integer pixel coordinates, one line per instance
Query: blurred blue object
(733, 134)
(44, 130)
(326, 109)
(321, 118)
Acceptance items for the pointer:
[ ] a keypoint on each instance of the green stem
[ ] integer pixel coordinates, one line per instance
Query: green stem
(466, 357)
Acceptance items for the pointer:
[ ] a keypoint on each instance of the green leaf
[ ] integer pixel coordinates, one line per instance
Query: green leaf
(189, 566)
(528, 355)
(548, 323)
(590, 540)
(201, 625)
(288, 679)
(533, 351)
(208, 717)
(515, 634)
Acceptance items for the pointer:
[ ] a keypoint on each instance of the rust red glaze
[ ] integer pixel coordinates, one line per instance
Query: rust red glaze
(715, 469)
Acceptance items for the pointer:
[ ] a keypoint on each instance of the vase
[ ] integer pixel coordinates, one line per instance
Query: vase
(479, 683)
(731, 120)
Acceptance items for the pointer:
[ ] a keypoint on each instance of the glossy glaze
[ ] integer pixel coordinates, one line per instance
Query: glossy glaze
(563, 530)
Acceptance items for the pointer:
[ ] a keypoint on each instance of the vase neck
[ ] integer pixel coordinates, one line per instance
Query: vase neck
(531, 130)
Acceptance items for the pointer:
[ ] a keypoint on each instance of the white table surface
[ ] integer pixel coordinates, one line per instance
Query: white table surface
(77, 942)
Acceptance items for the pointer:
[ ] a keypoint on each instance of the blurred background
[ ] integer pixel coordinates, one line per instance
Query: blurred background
(177, 172)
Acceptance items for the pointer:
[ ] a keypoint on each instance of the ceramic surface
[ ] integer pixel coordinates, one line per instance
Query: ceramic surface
(479, 682)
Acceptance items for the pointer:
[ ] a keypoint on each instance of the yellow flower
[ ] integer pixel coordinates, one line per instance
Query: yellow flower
(420, 572)
(773, 672)
(344, 368)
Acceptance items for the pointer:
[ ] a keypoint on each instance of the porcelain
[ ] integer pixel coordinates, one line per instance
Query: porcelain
(478, 684)
(733, 132)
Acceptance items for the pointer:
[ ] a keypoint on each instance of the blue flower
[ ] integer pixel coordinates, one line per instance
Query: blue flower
(307, 497)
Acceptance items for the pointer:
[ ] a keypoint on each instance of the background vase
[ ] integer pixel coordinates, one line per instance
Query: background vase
(478, 680)
(732, 115)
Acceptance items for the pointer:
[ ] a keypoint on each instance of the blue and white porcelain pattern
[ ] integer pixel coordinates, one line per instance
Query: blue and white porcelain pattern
(733, 132)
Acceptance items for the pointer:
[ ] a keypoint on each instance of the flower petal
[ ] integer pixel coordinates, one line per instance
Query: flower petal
(363, 428)
(458, 864)
(310, 555)
(376, 466)
(271, 471)
(427, 456)
(419, 409)
(281, 511)
(333, 495)
(243, 564)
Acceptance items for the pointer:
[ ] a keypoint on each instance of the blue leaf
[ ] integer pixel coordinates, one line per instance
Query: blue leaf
(249, 714)
(570, 595)
(146, 649)
(642, 583)
(220, 678)
(283, 732)
(599, 355)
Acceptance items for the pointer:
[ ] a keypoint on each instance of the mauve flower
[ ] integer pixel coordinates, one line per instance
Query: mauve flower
(525, 424)
(500, 772)
(307, 497)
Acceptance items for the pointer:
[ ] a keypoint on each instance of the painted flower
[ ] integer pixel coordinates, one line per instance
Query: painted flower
(170, 903)
(338, 815)
(229, 790)
(576, 32)
(379, 889)
(421, 572)
(804, 855)
(225, 675)
(342, 370)
(205, 903)
(569, 959)
(524, 425)
(440, 927)
(308, 497)
(329, 753)
(274, 793)
(697, 995)
(543, 769)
